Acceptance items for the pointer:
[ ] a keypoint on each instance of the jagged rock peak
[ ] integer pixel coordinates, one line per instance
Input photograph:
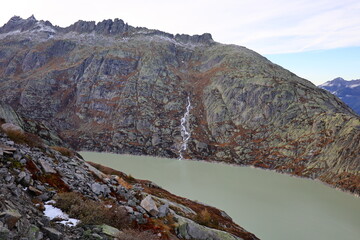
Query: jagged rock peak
(119, 27)
(339, 81)
(106, 27)
(17, 23)
(31, 18)
(204, 38)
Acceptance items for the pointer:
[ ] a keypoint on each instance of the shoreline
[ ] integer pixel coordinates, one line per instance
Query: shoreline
(236, 165)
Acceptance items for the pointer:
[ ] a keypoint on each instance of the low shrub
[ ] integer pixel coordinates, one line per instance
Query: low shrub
(2, 121)
(205, 218)
(64, 151)
(132, 234)
(65, 201)
(21, 137)
(91, 212)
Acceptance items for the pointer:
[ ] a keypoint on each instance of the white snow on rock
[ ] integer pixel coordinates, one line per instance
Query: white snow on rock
(54, 212)
(41, 27)
(354, 85)
(327, 84)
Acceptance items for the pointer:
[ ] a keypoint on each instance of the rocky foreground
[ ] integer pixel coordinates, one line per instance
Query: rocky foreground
(113, 87)
(52, 193)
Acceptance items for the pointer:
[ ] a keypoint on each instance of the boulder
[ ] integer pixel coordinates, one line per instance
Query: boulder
(52, 233)
(149, 205)
(4, 233)
(35, 191)
(7, 150)
(188, 229)
(164, 210)
(98, 189)
(10, 217)
(110, 231)
(34, 233)
(46, 166)
(21, 176)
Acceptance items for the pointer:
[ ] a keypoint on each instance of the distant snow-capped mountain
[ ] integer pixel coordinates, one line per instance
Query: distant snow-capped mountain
(348, 91)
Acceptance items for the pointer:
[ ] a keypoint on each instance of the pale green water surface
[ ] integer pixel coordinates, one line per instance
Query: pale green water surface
(273, 206)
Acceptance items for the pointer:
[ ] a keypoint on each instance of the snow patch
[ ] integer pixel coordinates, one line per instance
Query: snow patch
(54, 212)
(353, 85)
(4, 35)
(41, 27)
(327, 84)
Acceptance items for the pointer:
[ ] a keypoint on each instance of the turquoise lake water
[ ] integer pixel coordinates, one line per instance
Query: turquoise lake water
(273, 206)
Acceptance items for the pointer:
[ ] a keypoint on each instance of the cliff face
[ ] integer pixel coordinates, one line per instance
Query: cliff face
(126, 91)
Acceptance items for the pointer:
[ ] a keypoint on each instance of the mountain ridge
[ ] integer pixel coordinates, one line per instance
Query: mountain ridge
(347, 90)
(107, 27)
(128, 94)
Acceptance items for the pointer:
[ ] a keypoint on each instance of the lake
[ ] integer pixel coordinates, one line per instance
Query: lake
(273, 206)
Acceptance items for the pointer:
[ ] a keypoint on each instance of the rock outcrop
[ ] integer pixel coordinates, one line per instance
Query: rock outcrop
(113, 87)
(45, 192)
(16, 122)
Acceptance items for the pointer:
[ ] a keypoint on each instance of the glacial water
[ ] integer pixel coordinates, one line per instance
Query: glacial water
(273, 206)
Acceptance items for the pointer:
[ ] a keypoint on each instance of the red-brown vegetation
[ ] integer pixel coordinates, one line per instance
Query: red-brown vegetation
(91, 212)
(21, 137)
(64, 151)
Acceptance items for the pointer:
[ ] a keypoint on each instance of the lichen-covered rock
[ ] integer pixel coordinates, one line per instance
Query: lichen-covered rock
(110, 231)
(34, 233)
(190, 230)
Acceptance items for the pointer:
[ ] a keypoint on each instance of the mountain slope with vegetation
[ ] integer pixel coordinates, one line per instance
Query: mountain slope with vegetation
(113, 87)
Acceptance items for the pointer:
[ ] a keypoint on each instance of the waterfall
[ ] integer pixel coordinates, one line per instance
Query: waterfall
(185, 129)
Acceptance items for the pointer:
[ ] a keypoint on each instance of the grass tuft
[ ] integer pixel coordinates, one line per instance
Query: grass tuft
(91, 212)
(132, 234)
(64, 151)
(21, 137)
(205, 218)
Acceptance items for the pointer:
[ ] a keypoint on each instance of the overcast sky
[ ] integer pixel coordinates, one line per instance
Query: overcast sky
(266, 26)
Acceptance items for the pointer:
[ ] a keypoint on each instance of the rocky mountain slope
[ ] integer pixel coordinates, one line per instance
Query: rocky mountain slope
(113, 87)
(51, 193)
(347, 91)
